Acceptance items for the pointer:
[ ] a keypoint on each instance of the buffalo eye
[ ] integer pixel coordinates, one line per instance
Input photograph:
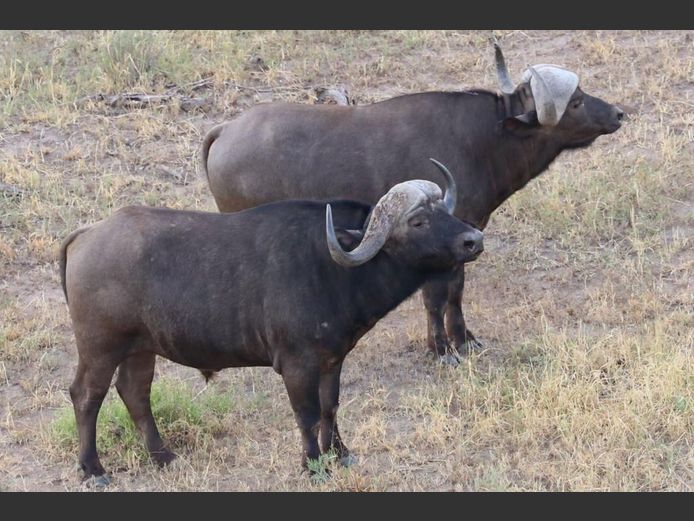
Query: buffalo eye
(577, 103)
(417, 222)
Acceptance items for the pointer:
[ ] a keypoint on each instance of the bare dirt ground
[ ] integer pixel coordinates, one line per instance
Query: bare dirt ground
(583, 297)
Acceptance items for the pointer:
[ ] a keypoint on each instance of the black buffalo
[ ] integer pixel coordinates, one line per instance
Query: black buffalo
(278, 285)
(493, 142)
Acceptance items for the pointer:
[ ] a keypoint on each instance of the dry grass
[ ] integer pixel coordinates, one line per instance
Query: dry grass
(583, 298)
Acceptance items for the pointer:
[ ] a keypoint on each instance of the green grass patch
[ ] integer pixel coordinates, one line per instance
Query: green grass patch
(186, 421)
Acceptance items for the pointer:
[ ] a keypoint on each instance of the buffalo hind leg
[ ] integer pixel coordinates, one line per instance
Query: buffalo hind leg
(435, 295)
(302, 387)
(88, 391)
(461, 337)
(134, 384)
(329, 392)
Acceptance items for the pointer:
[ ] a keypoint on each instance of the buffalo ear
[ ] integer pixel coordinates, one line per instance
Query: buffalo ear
(348, 239)
(522, 125)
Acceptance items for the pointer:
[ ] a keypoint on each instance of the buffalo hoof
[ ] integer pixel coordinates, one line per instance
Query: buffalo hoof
(97, 482)
(318, 473)
(163, 458)
(470, 346)
(452, 360)
(348, 460)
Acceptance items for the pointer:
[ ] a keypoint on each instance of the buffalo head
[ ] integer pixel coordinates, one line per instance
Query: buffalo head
(414, 223)
(553, 103)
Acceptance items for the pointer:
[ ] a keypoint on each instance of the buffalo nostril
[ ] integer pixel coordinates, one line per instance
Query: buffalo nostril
(470, 245)
(620, 114)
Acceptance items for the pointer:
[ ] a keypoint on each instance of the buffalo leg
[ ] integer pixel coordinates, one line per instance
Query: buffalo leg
(329, 392)
(88, 391)
(461, 337)
(435, 294)
(134, 384)
(302, 387)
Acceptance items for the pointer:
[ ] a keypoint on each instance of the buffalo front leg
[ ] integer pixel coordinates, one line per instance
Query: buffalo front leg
(435, 295)
(461, 337)
(87, 392)
(134, 385)
(302, 387)
(329, 392)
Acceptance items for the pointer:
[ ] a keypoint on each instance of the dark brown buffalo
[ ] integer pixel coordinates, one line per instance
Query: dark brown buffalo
(278, 285)
(493, 143)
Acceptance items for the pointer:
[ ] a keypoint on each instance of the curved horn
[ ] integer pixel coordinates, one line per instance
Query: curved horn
(544, 104)
(451, 196)
(380, 226)
(507, 86)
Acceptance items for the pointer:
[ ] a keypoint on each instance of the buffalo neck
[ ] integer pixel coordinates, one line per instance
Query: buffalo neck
(379, 286)
(504, 162)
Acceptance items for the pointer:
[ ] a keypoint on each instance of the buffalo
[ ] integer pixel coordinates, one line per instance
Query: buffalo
(494, 142)
(292, 285)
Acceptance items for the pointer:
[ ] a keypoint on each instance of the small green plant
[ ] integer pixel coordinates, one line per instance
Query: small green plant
(320, 467)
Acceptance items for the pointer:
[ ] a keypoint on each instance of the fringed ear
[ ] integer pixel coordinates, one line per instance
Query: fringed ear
(349, 239)
(522, 125)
